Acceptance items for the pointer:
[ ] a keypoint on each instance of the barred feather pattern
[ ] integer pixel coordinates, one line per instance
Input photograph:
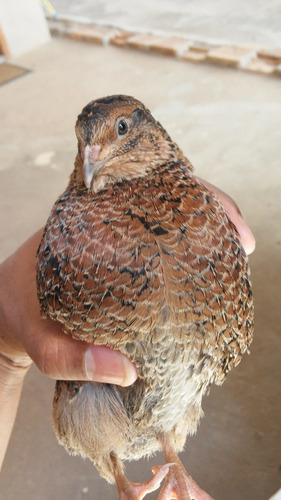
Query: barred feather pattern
(151, 266)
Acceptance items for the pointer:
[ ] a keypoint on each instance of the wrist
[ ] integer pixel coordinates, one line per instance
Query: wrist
(13, 369)
(13, 357)
(19, 307)
(12, 374)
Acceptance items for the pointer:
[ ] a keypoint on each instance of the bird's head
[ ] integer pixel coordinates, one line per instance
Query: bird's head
(118, 138)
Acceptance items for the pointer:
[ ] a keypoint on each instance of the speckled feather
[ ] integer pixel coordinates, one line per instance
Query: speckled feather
(150, 265)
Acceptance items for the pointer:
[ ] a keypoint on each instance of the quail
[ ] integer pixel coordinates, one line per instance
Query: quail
(138, 255)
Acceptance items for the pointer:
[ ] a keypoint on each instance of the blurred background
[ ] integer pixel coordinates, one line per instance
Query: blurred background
(224, 110)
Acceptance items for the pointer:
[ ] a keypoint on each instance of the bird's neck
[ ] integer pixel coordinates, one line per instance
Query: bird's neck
(128, 167)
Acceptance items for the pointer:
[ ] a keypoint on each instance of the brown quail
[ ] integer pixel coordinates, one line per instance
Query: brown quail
(138, 255)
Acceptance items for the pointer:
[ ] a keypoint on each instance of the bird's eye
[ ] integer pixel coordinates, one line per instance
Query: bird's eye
(122, 127)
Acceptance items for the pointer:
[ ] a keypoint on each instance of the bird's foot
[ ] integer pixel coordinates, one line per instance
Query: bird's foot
(180, 486)
(137, 491)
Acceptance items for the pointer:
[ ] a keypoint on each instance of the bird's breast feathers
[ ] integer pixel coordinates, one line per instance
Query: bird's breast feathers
(118, 263)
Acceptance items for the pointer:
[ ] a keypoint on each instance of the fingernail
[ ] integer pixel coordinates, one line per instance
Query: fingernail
(247, 238)
(108, 366)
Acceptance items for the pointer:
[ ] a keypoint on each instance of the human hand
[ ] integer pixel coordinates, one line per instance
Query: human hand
(25, 336)
(246, 236)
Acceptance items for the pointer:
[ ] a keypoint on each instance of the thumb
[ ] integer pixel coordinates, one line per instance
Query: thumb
(59, 356)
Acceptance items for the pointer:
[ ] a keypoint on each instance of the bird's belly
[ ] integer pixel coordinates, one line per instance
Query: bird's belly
(173, 379)
(167, 403)
(172, 404)
(167, 396)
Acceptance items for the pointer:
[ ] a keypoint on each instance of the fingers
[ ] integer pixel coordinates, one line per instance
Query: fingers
(246, 236)
(105, 365)
(59, 356)
(24, 332)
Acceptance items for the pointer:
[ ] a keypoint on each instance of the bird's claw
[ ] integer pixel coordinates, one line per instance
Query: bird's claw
(180, 486)
(137, 491)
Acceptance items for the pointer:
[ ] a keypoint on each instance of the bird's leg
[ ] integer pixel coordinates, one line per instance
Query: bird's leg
(178, 484)
(136, 491)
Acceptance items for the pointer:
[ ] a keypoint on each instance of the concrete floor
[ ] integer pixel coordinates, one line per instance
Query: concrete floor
(228, 124)
(254, 21)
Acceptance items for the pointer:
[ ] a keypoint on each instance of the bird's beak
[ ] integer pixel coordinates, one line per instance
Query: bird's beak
(91, 164)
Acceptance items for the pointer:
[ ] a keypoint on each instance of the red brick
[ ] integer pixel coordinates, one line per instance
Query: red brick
(259, 65)
(169, 46)
(93, 34)
(202, 47)
(141, 42)
(120, 39)
(165, 45)
(193, 55)
(274, 54)
(229, 56)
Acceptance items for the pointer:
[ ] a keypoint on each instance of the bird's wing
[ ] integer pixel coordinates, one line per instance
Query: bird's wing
(98, 268)
(206, 273)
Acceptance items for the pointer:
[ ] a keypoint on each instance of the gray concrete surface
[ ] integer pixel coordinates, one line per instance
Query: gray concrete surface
(228, 124)
(254, 21)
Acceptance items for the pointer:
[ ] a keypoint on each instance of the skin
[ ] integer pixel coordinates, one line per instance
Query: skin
(26, 338)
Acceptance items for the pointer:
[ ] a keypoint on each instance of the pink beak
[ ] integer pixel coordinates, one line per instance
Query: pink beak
(91, 164)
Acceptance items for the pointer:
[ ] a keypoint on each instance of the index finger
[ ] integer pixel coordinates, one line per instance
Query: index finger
(246, 236)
